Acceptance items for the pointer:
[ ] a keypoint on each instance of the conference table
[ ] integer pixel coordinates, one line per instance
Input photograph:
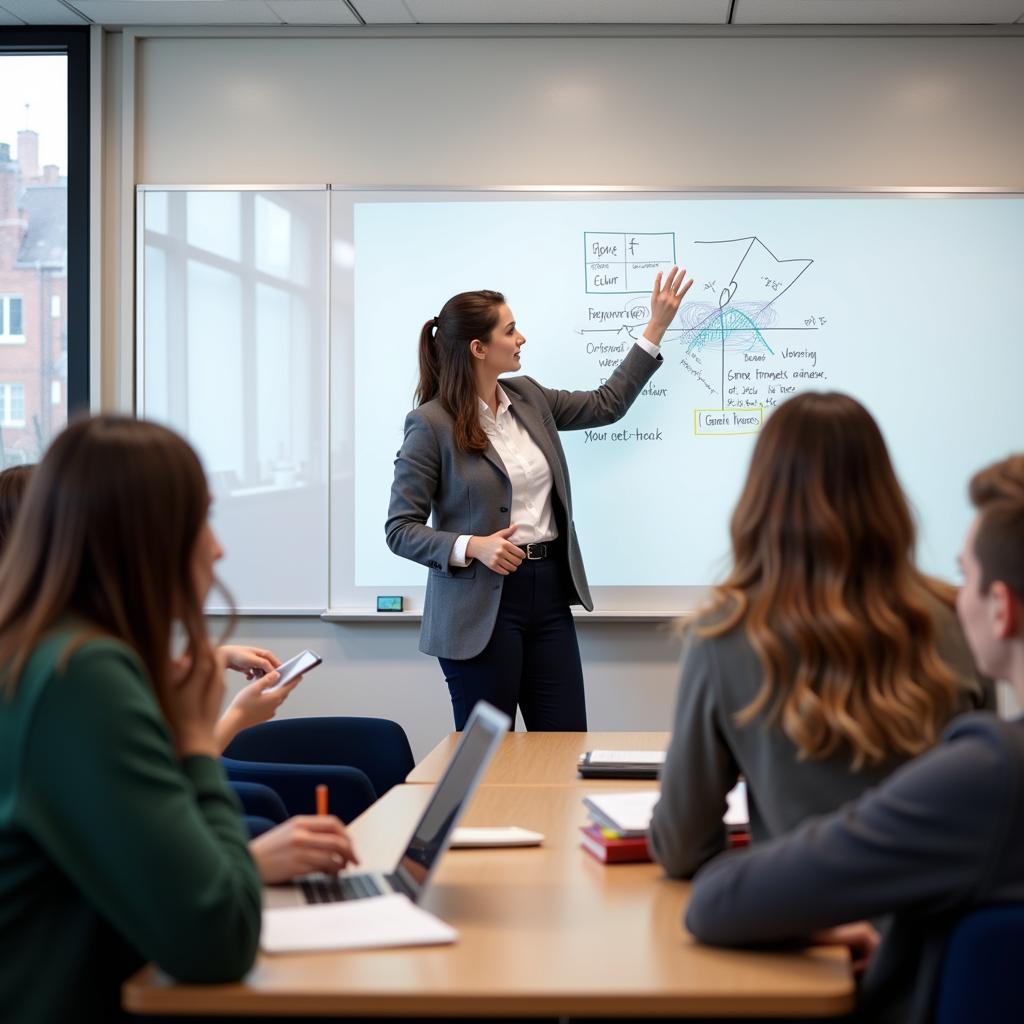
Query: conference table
(543, 931)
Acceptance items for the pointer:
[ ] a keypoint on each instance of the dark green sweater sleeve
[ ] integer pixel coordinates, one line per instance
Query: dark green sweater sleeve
(155, 844)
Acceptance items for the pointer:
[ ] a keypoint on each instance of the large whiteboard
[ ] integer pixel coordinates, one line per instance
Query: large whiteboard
(278, 331)
(907, 302)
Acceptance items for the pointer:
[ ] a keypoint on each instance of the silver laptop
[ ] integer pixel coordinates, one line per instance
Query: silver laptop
(480, 738)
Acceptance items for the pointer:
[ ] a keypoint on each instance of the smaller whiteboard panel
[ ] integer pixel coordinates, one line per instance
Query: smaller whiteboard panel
(232, 352)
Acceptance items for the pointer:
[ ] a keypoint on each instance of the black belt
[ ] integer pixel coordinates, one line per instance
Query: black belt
(547, 549)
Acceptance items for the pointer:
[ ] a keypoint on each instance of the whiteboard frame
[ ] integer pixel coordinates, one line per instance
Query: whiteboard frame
(363, 613)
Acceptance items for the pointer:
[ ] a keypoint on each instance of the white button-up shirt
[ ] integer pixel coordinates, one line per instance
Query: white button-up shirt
(528, 472)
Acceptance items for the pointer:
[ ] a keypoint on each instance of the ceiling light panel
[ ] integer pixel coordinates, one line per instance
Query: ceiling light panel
(39, 12)
(876, 12)
(313, 12)
(567, 12)
(177, 12)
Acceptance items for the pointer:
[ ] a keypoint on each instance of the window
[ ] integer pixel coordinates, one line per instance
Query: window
(11, 330)
(12, 405)
(44, 235)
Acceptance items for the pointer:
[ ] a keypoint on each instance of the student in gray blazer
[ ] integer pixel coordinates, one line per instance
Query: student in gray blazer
(826, 658)
(483, 462)
(941, 836)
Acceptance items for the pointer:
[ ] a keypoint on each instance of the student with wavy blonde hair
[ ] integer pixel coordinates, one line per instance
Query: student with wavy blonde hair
(826, 658)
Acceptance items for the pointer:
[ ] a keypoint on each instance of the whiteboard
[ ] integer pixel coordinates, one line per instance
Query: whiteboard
(906, 301)
(277, 330)
(232, 351)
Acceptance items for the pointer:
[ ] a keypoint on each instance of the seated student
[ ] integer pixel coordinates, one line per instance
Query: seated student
(13, 482)
(943, 834)
(119, 839)
(826, 659)
(295, 847)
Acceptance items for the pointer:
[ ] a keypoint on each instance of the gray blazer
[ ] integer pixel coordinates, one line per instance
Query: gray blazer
(710, 750)
(943, 835)
(468, 493)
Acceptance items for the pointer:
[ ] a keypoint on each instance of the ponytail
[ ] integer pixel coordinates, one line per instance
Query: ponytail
(429, 382)
(446, 370)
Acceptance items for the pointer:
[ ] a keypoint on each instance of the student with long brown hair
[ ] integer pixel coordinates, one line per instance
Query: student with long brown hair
(119, 839)
(484, 463)
(826, 658)
(940, 838)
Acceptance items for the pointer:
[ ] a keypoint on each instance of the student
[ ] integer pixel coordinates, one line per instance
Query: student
(302, 844)
(826, 659)
(13, 482)
(119, 839)
(484, 462)
(251, 705)
(945, 833)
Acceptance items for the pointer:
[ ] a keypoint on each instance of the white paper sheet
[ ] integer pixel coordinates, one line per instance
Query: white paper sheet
(626, 757)
(378, 921)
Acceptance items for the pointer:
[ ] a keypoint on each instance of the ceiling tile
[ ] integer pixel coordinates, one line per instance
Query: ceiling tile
(313, 12)
(6, 18)
(876, 12)
(383, 12)
(177, 12)
(41, 12)
(575, 12)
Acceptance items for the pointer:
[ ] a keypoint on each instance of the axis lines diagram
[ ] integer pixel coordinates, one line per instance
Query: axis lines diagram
(748, 339)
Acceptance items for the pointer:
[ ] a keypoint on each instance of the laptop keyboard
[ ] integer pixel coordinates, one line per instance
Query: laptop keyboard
(332, 888)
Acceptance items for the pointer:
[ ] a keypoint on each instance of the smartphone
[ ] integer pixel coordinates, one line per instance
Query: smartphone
(293, 667)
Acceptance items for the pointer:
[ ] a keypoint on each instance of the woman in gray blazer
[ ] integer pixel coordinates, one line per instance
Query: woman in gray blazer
(483, 462)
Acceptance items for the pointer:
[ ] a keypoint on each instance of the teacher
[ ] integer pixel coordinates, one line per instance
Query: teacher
(484, 462)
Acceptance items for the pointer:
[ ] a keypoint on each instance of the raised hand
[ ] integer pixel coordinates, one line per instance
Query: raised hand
(666, 297)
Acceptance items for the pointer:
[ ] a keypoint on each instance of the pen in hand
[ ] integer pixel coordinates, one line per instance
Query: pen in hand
(321, 799)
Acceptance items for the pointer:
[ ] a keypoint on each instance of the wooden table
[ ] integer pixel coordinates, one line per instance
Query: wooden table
(539, 758)
(543, 931)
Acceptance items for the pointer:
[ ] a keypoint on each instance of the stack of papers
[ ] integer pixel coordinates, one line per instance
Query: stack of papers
(372, 923)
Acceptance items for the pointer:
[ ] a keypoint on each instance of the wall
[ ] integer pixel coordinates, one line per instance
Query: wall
(726, 110)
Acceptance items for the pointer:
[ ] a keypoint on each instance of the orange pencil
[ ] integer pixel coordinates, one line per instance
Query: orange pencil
(321, 799)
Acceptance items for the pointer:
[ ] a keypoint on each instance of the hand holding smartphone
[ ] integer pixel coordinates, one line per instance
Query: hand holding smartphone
(297, 666)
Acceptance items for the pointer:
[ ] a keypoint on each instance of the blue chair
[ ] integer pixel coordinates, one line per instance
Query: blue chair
(359, 759)
(980, 980)
(261, 806)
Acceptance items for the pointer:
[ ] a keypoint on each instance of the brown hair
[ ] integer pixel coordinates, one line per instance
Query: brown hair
(997, 492)
(13, 482)
(824, 583)
(107, 532)
(446, 369)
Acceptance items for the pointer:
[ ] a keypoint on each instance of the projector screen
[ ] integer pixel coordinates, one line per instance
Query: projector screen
(907, 302)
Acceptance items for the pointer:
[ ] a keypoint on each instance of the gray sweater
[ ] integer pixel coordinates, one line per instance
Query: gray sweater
(943, 835)
(709, 751)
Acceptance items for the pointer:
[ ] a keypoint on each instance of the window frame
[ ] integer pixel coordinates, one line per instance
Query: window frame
(73, 43)
(6, 337)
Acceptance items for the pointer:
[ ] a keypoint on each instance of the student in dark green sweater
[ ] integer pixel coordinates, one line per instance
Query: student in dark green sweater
(119, 839)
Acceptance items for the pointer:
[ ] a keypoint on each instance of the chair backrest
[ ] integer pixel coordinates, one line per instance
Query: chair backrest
(979, 980)
(378, 747)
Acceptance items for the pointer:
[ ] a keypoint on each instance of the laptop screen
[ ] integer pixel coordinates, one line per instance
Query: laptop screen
(429, 840)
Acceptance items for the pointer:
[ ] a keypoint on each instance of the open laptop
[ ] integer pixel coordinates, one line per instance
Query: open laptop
(480, 738)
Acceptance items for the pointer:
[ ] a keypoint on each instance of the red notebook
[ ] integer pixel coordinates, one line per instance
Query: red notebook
(613, 851)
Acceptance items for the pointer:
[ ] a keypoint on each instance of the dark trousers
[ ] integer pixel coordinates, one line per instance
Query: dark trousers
(532, 659)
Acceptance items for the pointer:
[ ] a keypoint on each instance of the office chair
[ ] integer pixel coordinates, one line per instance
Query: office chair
(359, 759)
(980, 979)
(261, 807)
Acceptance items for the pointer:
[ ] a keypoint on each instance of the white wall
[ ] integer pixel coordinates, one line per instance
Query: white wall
(711, 111)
